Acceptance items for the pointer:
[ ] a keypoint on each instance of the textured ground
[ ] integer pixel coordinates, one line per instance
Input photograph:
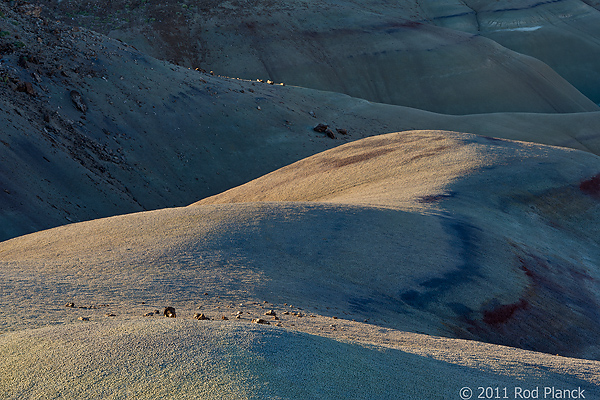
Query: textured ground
(459, 252)
(429, 232)
(156, 135)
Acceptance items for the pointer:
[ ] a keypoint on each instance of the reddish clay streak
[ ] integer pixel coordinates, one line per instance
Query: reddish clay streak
(591, 186)
(503, 313)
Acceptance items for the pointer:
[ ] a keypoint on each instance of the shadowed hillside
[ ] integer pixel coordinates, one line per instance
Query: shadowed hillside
(389, 53)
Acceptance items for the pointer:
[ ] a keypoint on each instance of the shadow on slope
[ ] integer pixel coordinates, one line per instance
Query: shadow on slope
(434, 232)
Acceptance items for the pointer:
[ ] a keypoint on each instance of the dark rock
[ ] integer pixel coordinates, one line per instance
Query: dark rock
(200, 317)
(148, 314)
(224, 318)
(26, 87)
(341, 131)
(320, 128)
(70, 305)
(271, 312)
(23, 62)
(169, 312)
(30, 9)
(78, 101)
(330, 133)
(83, 318)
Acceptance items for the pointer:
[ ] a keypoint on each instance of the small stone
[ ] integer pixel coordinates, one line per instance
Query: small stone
(238, 317)
(83, 318)
(270, 312)
(169, 312)
(110, 315)
(224, 318)
(330, 133)
(341, 131)
(78, 101)
(148, 314)
(200, 317)
(70, 305)
(276, 318)
(286, 313)
(260, 321)
(23, 62)
(26, 87)
(321, 128)
(334, 317)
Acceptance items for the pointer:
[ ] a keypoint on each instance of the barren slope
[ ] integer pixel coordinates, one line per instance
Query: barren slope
(155, 135)
(425, 231)
(380, 51)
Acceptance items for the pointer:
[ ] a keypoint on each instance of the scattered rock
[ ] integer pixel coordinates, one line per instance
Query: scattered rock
(30, 9)
(286, 313)
(26, 87)
(83, 318)
(200, 317)
(271, 312)
(78, 101)
(148, 314)
(70, 305)
(224, 318)
(260, 321)
(320, 128)
(169, 312)
(341, 131)
(23, 62)
(323, 128)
